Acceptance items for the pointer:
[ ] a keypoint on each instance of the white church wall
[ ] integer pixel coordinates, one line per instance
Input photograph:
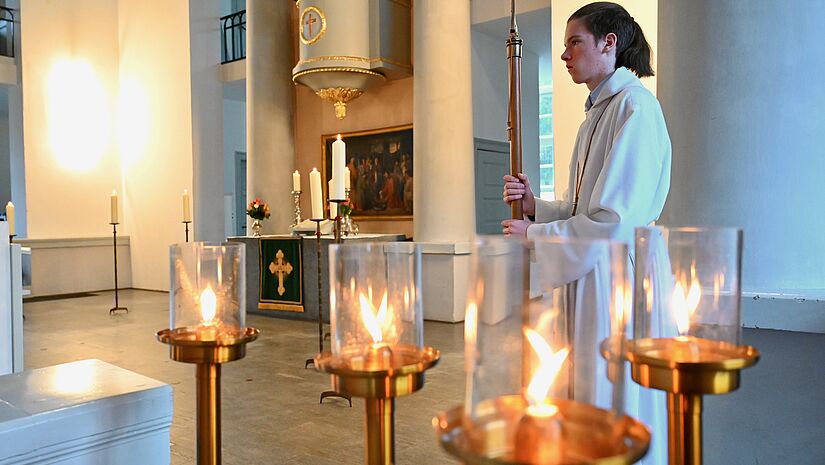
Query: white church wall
(568, 97)
(490, 97)
(157, 141)
(70, 80)
(746, 131)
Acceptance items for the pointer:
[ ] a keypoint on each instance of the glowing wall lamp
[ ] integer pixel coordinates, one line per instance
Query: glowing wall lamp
(78, 115)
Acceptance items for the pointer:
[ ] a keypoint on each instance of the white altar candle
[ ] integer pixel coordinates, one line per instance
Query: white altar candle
(346, 178)
(296, 181)
(339, 155)
(113, 201)
(187, 215)
(10, 217)
(316, 195)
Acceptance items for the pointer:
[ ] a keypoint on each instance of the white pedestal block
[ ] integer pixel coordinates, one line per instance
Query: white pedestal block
(84, 413)
(444, 274)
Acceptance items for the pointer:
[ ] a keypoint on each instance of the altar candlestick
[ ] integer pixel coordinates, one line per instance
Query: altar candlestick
(187, 215)
(346, 178)
(10, 217)
(339, 151)
(296, 181)
(316, 195)
(113, 201)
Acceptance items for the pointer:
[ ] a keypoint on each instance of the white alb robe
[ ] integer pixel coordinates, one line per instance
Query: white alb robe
(624, 185)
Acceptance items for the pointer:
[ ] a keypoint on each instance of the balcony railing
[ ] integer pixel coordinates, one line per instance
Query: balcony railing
(233, 40)
(6, 32)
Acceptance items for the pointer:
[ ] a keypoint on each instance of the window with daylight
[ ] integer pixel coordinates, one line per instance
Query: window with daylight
(546, 171)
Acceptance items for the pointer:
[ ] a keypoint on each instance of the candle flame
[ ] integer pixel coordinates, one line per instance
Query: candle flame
(374, 321)
(685, 305)
(209, 303)
(550, 364)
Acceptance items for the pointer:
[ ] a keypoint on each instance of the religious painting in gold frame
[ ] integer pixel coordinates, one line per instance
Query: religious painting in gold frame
(381, 171)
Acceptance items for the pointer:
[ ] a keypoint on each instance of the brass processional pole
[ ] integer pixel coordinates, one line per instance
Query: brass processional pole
(514, 45)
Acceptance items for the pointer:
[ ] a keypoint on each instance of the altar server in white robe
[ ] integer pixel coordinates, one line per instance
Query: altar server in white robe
(619, 172)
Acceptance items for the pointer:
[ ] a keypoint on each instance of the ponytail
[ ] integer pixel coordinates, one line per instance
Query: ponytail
(632, 49)
(636, 55)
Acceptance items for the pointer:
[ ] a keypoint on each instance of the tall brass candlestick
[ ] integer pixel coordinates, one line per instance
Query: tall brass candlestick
(688, 368)
(398, 374)
(687, 325)
(184, 346)
(377, 334)
(207, 326)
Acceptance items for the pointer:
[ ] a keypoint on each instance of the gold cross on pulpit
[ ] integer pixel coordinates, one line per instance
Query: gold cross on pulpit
(280, 268)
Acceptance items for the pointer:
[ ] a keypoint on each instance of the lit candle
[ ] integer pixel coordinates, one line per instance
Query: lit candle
(538, 434)
(187, 215)
(296, 181)
(207, 329)
(10, 217)
(316, 195)
(346, 178)
(376, 322)
(113, 202)
(339, 150)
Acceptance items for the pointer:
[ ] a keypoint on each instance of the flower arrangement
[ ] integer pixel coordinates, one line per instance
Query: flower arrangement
(258, 209)
(345, 208)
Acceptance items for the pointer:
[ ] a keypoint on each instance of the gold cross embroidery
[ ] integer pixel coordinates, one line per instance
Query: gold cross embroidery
(281, 268)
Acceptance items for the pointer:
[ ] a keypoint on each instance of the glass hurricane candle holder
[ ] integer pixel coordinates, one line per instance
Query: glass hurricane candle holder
(687, 336)
(207, 298)
(687, 292)
(375, 304)
(545, 374)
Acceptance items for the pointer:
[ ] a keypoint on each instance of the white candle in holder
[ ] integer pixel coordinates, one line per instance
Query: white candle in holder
(296, 181)
(346, 178)
(113, 205)
(339, 151)
(10, 217)
(187, 214)
(316, 195)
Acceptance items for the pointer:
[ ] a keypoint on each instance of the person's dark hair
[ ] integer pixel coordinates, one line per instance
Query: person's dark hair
(632, 49)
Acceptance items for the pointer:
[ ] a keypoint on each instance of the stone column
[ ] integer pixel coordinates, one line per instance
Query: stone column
(739, 84)
(207, 120)
(444, 197)
(270, 157)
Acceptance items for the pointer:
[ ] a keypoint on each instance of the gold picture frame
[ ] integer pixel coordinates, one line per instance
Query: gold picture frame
(381, 170)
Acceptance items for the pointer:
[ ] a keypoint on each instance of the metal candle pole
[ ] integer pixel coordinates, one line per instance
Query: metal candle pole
(514, 45)
(311, 361)
(186, 229)
(114, 248)
(296, 197)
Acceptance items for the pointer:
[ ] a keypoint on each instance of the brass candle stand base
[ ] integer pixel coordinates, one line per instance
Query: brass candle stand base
(586, 435)
(184, 346)
(700, 367)
(379, 386)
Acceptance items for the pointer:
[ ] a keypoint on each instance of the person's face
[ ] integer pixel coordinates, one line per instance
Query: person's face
(588, 60)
